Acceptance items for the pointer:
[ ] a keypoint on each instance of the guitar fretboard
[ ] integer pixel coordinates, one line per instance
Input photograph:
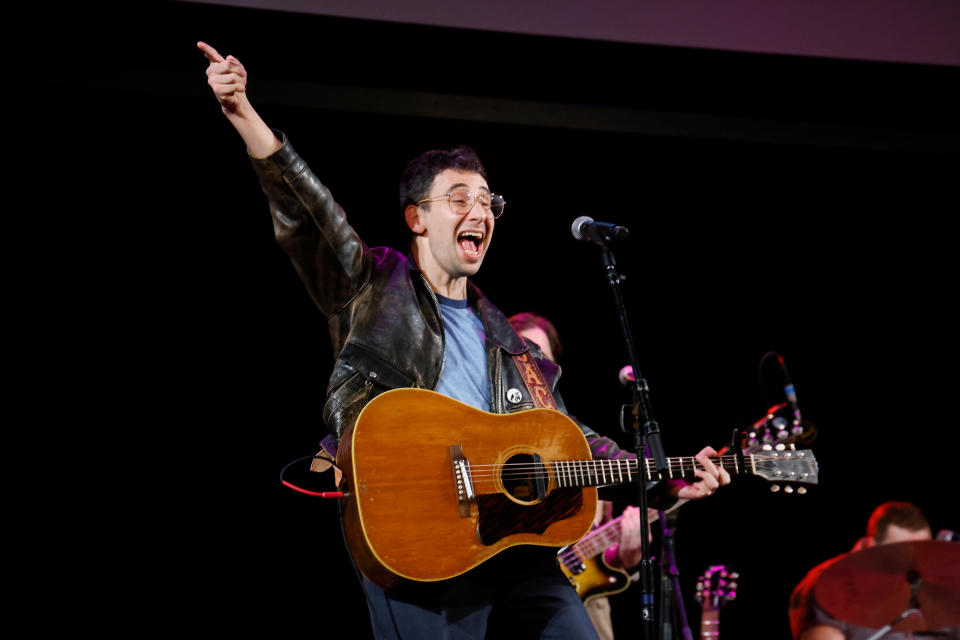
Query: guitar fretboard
(592, 473)
(710, 624)
(597, 541)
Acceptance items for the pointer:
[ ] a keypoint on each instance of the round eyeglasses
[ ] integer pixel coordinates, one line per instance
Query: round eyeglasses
(462, 201)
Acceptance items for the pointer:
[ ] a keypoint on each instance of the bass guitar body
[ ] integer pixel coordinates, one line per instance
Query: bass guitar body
(593, 578)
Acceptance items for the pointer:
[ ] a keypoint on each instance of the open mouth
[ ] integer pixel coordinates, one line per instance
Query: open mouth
(471, 242)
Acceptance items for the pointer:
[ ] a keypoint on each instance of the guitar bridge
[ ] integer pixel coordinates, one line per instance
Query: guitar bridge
(462, 481)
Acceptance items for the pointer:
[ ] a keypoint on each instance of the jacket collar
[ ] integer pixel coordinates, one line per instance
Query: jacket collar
(496, 326)
(498, 329)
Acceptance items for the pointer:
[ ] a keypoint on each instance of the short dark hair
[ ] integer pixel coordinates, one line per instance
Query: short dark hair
(418, 176)
(902, 514)
(528, 319)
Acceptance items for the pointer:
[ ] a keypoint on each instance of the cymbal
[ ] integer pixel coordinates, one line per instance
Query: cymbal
(871, 587)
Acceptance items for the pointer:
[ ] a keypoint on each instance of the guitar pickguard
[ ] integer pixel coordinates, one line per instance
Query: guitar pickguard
(499, 517)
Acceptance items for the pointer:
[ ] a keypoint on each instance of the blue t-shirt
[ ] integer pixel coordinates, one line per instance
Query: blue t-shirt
(464, 375)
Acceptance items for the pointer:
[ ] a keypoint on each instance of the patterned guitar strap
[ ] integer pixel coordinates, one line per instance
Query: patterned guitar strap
(533, 379)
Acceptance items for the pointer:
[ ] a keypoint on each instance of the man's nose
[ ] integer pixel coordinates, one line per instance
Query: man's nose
(477, 211)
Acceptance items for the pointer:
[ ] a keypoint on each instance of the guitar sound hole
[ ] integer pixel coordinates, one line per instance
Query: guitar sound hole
(524, 477)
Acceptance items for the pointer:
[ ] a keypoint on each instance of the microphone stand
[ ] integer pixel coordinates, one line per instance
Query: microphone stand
(671, 607)
(913, 608)
(646, 436)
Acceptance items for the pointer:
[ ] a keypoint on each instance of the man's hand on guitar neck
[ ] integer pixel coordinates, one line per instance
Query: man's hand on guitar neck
(710, 478)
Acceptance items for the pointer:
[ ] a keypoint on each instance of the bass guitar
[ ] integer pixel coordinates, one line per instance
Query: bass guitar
(434, 487)
(585, 566)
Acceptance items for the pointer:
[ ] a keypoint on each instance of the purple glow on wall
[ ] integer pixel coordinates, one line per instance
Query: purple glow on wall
(909, 31)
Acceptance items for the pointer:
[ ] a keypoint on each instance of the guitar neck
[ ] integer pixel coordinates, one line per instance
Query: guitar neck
(710, 624)
(592, 473)
(598, 540)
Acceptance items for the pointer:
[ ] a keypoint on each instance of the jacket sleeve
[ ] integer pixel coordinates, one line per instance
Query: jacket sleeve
(312, 229)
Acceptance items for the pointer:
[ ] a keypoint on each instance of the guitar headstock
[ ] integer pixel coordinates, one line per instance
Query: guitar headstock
(785, 466)
(779, 426)
(716, 587)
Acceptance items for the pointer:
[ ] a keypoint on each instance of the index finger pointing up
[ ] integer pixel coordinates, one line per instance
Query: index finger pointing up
(209, 52)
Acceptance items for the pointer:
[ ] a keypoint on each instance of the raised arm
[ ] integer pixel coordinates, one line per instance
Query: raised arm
(308, 224)
(228, 80)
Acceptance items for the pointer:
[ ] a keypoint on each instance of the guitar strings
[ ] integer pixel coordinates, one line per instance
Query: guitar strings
(612, 472)
(593, 543)
(633, 463)
(598, 469)
(678, 461)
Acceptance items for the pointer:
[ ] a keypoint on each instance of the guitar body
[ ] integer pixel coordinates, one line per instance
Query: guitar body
(406, 518)
(594, 578)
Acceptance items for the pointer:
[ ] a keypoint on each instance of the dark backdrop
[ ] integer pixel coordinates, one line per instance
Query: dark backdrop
(775, 203)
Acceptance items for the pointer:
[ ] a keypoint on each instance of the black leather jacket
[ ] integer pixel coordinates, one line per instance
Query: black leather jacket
(384, 319)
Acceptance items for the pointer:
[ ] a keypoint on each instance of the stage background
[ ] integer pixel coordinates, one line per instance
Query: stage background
(797, 204)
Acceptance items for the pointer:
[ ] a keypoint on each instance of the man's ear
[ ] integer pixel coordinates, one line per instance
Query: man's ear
(414, 217)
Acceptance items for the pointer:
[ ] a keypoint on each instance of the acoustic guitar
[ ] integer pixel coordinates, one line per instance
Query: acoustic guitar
(435, 487)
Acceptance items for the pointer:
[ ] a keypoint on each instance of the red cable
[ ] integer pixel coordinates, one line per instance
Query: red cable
(319, 494)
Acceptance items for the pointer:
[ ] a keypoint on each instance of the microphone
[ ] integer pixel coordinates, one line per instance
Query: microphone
(627, 376)
(586, 229)
(788, 389)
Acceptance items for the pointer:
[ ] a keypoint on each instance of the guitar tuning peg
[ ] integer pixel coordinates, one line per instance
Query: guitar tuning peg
(734, 575)
(788, 489)
(801, 490)
(774, 488)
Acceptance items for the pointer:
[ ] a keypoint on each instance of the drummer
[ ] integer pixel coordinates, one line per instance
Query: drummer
(890, 522)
